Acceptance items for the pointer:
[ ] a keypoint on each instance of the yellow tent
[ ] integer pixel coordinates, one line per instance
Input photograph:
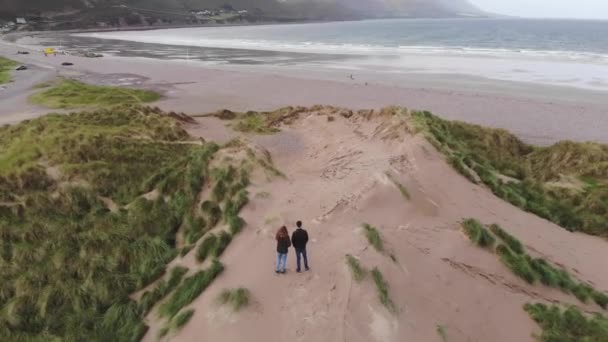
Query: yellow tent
(49, 51)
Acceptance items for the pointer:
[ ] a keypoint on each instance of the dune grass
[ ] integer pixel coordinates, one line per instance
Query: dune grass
(373, 236)
(6, 66)
(404, 192)
(514, 244)
(68, 264)
(358, 272)
(182, 319)
(533, 270)
(163, 288)
(260, 122)
(566, 183)
(190, 289)
(70, 94)
(213, 246)
(442, 332)
(237, 299)
(383, 290)
(567, 325)
(254, 123)
(478, 233)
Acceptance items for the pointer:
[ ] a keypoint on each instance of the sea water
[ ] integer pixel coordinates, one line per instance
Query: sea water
(562, 52)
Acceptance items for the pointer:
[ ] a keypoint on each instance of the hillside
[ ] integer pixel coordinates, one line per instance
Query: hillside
(104, 13)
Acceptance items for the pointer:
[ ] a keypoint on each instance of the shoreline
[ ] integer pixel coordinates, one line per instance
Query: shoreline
(538, 114)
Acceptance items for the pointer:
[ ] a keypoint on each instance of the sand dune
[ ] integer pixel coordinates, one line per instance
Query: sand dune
(336, 180)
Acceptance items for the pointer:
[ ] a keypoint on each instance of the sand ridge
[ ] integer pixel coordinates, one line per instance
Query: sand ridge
(336, 180)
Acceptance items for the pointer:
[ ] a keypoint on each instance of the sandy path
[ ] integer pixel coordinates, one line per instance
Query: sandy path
(335, 182)
(540, 114)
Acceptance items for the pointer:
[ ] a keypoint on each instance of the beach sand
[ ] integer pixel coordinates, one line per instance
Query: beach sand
(540, 114)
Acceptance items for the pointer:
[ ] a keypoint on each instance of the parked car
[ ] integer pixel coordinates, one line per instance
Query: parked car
(67, 63)
(21, 67)
(23, 53)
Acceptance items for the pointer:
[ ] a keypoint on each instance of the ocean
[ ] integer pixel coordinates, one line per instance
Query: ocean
(558, 52)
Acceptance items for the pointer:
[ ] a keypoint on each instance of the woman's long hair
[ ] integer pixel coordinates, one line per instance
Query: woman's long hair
(282, 233)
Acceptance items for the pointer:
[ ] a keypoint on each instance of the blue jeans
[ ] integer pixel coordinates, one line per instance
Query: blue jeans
(281, 262)
(301, 252)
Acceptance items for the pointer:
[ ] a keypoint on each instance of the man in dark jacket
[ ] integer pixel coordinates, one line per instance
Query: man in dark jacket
(299, 239)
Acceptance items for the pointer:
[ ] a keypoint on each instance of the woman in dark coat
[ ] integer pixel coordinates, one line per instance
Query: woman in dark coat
(283, 244)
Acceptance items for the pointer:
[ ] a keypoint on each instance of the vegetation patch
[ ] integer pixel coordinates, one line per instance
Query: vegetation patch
(442, 332)
(373, 236)
(260, 122)
(182, 319)
(70, 94)
(236, 298)
(567, 325)
(190, 289)
(68, 263)
(478, 233)
(514, 244)
(566, 183)
(532, 270)
(382, 288)
(6, 66)
(356, 269)
(404, 192)
(162, 288)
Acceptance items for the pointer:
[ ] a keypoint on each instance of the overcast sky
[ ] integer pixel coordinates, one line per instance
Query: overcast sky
(590, 9)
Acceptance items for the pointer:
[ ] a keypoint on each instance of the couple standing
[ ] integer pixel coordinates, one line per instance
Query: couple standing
(299, 239)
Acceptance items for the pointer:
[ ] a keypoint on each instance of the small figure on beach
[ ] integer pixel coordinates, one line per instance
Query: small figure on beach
(283, 244)
(299, 239)
(351, 77)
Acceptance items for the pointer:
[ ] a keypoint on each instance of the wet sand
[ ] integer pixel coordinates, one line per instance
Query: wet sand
(538, 113)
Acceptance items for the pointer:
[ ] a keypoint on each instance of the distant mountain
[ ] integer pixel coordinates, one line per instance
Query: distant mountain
(85, 13)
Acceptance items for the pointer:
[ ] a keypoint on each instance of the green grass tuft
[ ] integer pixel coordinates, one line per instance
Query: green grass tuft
(517, 263)
(206, 248)
(69, 94)
(164, 331)
(404, 192)
(356, 269)
(190, 289)
(236, 298)
(567, 325)
(162, 289)
(213, 246)
(382, 288)
(442, 332)
(514, 244)
(478, 233)
(373, 236)
(182, 319)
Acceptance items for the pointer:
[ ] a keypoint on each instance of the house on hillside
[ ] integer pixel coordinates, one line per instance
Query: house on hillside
(20, 21)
